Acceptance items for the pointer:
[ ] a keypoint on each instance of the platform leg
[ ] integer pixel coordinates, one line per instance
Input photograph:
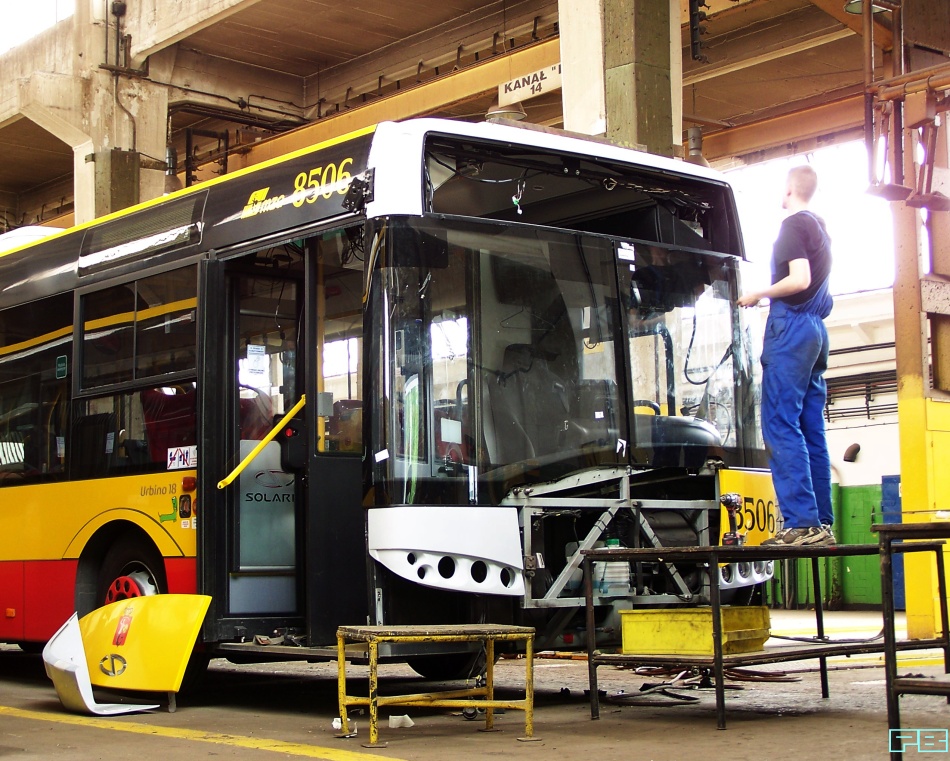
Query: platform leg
(529, 691)
(373, 695)
(341, 682)
(890, 643)
(718, 669)
(944, 617)
(591, 637)
(820, 623)
(489, 683)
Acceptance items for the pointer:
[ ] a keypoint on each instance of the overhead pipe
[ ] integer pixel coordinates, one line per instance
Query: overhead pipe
(867, 28)
(897, 58)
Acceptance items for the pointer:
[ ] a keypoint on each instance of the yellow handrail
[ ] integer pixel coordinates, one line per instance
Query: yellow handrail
(262, 443)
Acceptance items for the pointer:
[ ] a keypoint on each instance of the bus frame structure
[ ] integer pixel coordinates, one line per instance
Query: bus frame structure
(598, 387)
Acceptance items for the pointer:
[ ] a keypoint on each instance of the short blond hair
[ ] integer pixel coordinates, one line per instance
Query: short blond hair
(803, 181)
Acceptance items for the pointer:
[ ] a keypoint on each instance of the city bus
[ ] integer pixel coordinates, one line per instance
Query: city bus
(405, 376)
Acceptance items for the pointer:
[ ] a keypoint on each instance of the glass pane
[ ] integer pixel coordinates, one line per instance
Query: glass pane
(266, 375)
(108, 335)
(499, 363)
(340, 326)
(152, 430)
(140, 330)
(165, 327)
(680, 333)
(35, 357)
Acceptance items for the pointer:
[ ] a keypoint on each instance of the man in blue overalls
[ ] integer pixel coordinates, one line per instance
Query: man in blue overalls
(794, 359)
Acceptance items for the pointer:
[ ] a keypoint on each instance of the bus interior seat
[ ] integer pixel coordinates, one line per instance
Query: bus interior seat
(525, 406)
(256, 416)
(345, 425)
(170, 421)
(593, 420)
(93, 445)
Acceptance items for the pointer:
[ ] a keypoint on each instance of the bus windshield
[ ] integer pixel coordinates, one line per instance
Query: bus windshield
(511, 355)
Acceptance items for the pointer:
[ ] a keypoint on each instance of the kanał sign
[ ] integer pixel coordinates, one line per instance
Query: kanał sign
(530, 85)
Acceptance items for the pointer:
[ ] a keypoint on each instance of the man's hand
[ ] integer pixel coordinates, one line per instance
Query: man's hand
(750, 299)
(796, 281)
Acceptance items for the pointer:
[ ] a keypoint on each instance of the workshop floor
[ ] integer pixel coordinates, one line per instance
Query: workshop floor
(256, 712)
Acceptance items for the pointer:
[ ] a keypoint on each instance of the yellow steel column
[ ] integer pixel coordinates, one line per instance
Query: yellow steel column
(923, 413)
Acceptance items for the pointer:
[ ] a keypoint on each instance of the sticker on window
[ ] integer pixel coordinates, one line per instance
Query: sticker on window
(180, 458)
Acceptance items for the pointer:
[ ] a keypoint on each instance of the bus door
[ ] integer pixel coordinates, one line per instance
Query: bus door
(263, 542)
(294, 535)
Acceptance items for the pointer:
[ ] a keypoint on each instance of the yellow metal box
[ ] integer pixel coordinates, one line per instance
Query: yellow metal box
(689, 631)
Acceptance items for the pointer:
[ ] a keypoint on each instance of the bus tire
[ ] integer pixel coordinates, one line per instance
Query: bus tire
(449, 666)
(132, 567)
(738, 595)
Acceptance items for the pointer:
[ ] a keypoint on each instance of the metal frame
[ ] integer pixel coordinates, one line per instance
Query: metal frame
(480, 696)
(535, 504)
(711, 557)
(890, 538)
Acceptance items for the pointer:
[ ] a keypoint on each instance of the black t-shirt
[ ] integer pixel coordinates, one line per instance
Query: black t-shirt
(803, 236)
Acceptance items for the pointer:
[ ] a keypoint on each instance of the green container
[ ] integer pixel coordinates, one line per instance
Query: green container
(846, 581)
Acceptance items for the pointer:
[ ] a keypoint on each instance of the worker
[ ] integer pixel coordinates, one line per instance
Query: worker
(794, 359)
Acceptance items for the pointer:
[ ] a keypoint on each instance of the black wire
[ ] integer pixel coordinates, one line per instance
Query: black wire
(689, 350)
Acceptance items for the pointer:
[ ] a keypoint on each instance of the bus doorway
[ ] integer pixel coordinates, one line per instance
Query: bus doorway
(290, 560)
(265, 504)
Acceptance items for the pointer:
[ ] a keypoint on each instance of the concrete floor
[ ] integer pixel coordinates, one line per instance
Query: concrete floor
(256, 712)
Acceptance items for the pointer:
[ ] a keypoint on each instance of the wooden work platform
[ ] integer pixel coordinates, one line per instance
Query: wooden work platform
(480, 696)
(820, 647)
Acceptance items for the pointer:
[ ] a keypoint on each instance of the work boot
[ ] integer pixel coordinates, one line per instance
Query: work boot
(808, 536)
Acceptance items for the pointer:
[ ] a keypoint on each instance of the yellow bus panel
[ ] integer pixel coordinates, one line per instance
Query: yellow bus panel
(757, 516)
(53, 521)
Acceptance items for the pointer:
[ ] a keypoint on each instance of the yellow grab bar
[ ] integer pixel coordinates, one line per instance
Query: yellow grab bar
(262, 443)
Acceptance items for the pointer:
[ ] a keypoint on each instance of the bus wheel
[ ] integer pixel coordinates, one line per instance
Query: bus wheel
(449, 666)
(738, 595)
(131, 568)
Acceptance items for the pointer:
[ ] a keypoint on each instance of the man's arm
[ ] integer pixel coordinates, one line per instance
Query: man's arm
(796, 281)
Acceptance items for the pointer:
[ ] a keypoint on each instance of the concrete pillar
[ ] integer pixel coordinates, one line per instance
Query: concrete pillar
(61, 87)
(117, 180)
(581, 25)
(615, 63)
(54, 102)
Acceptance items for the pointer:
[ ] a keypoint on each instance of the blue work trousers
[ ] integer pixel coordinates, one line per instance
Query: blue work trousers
(794, 359)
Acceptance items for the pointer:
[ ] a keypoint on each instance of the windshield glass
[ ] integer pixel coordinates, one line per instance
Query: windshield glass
(513, 355)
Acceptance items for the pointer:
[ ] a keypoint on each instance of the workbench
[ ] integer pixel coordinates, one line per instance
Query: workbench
(890, 540)
(481, 696)
(709, 558)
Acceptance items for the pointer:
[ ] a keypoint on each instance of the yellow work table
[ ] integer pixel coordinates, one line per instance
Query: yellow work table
(474, 697)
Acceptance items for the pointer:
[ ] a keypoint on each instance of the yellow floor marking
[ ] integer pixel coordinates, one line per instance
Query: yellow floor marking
(278, 746)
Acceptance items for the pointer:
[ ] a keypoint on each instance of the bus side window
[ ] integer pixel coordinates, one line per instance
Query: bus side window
(169, 421)
(35, 343)
(93, 445)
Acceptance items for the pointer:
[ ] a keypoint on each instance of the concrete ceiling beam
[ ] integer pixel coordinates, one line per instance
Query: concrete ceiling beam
(883, 37)
(821, 120)
(415, 101)
(773, 38)
(152, 29)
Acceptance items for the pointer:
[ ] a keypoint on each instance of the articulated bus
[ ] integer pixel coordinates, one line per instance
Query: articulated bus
(500, 345)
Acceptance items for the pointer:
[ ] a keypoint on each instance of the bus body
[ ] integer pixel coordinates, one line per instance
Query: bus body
(514, 345)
